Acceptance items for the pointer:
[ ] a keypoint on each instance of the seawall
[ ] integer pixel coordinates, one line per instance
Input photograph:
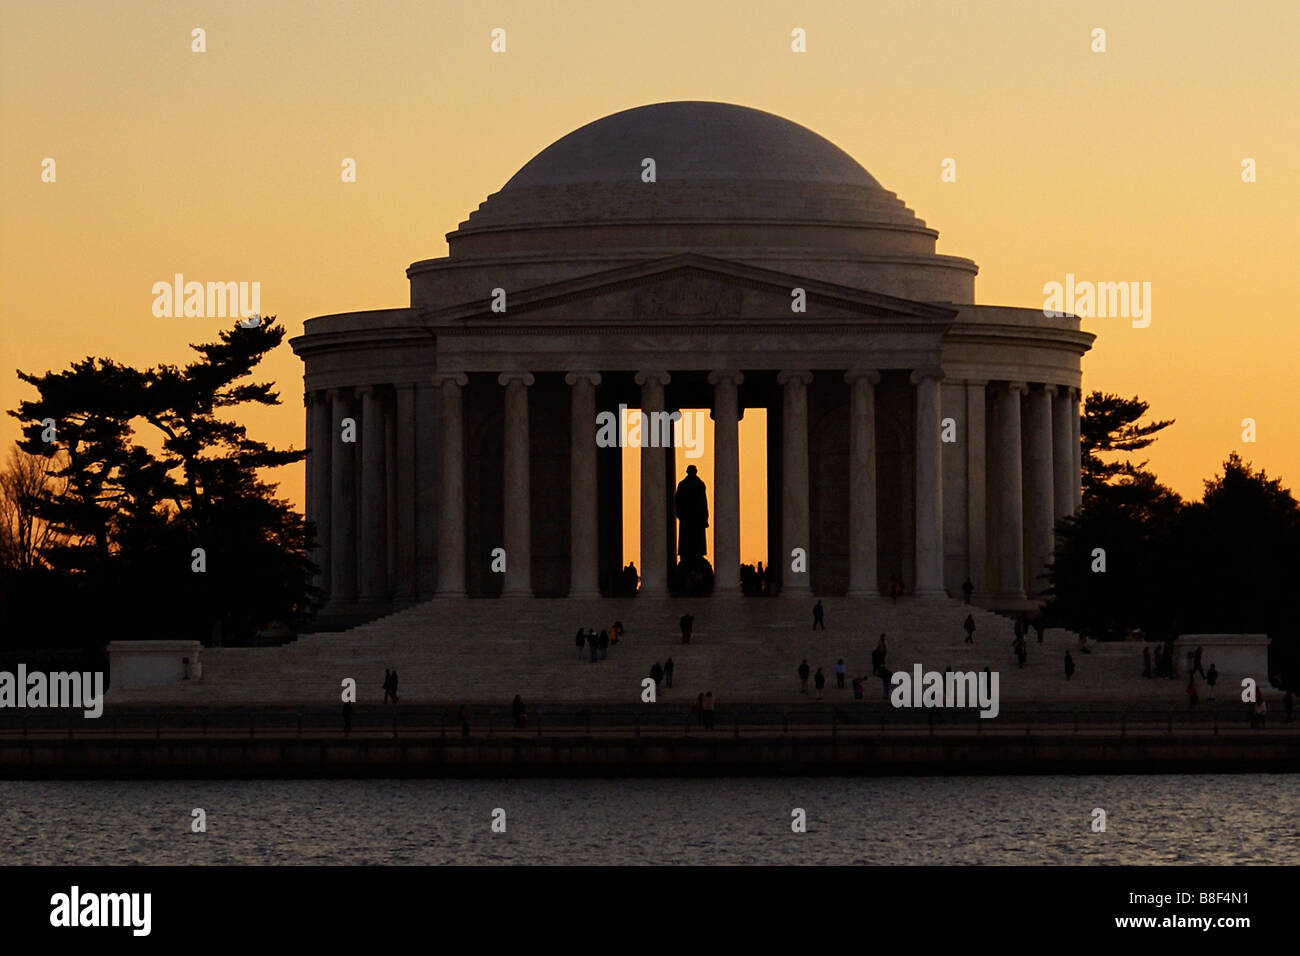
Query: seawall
(705, 754)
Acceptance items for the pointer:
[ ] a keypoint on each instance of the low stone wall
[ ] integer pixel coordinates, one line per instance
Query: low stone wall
(1273, 751)
(1233, 655)
(133, 664)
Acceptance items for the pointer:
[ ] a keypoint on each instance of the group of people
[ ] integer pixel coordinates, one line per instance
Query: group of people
(626, 581)
(1161, 664)
(597, 645)
(757, 581)
(662, 673)
(841, 673)
(1164, 667)
(703, 709)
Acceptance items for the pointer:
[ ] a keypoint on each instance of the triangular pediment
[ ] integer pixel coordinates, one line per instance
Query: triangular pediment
(688, 288)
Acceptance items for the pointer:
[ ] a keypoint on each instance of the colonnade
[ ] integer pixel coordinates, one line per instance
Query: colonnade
(1022, 476)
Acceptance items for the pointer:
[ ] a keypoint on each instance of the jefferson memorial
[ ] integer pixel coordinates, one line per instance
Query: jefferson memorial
(910, 431)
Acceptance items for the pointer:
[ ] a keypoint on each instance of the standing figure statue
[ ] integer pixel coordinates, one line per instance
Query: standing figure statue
(691, 505)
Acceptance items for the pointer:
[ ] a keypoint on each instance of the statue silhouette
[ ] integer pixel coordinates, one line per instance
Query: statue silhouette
(692, 507)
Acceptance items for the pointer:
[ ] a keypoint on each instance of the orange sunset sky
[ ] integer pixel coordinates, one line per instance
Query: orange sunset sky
(225, 165)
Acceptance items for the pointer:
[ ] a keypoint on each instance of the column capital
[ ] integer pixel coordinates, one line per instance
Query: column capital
(790, 376)
(726, 376)
(405, 386)
(1050, 389)
(871, 376)
(573, 378)
(922, 374)
(333, 393)
(646, 376)
(977, 382)
(364, 390)
(439, 379)
(505, 378)
(1014, 387)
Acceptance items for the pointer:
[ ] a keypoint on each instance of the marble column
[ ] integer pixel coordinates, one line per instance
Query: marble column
(1076, 476)
(1038, 489)
(318, 481)
(726, 480)
(862, 482)
(518, 515)
(451, 493)
(976, 488)
(1062, 453)
(795, 526)
(929, 484)
(374, 495)
(584, 498)
(654, 488)
(408, 517)
(1010, 517)
(343, 501)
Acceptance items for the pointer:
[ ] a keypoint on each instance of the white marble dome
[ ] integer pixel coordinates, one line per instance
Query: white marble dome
(731, 182)
(692, 140)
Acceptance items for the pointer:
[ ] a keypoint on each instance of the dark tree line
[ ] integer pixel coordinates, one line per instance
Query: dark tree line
(1229, 563)
(151, 476)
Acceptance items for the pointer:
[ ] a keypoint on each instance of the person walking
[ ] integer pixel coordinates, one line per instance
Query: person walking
(687, 624)
(580, 639)
(394, 685)
(1196, 663)
(1261, 713)
(819, 616)
(1069, 666)
(603, 643)
(819, 681)
(857, 688)
(1040, 624)
(840, 672)
(656, 674)
(803, 676)
(882, 650)
(1192, 697)
(668, 672)
(969, 628)
(592, 649)
(1211, 678)
(388, 684)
